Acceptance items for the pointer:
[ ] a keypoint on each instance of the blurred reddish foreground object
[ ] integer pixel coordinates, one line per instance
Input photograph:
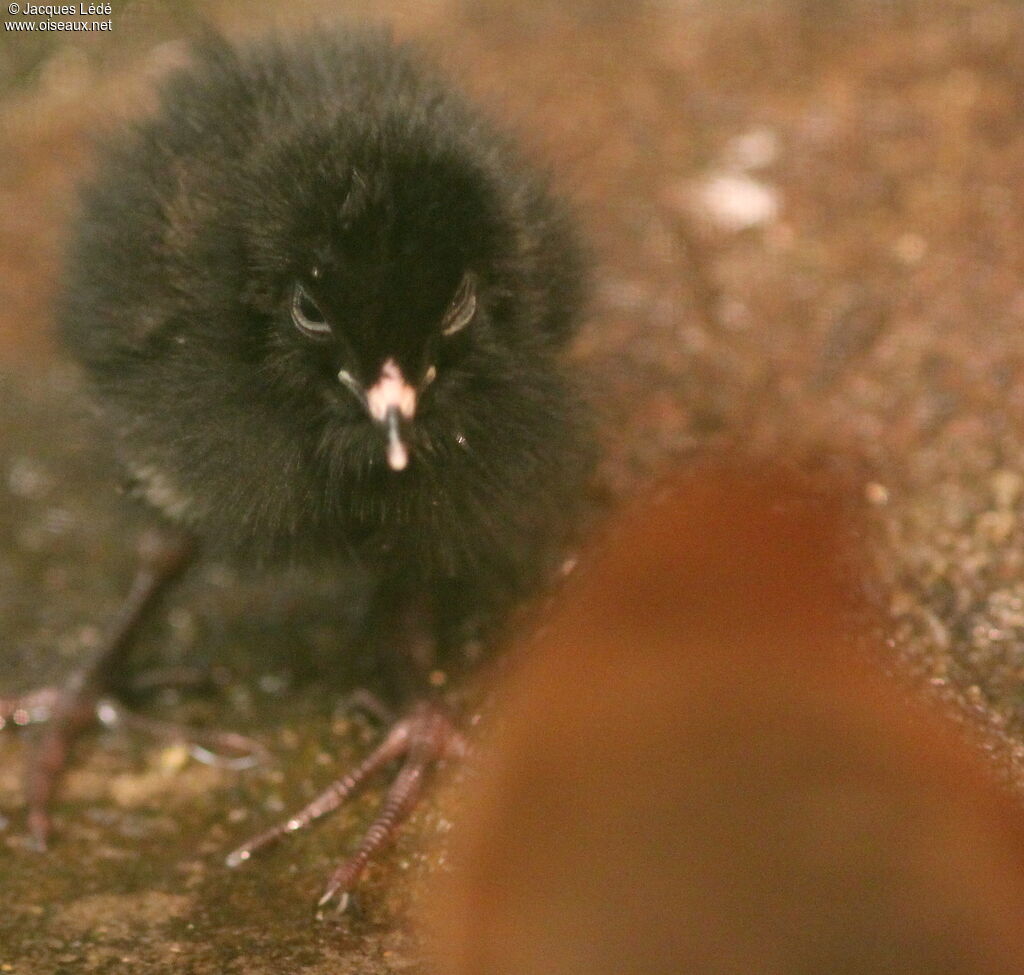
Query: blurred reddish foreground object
(695, 771)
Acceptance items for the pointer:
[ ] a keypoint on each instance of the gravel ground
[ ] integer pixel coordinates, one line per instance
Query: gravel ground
(805, 220)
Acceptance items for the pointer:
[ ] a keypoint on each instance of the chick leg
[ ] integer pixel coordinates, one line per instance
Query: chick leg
(425, 737)
(70, 709)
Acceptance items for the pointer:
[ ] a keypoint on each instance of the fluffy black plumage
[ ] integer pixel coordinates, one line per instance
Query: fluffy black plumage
(321, 303)
(319, 207)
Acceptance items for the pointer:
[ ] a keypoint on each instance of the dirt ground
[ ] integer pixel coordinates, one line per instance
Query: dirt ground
(805, 221)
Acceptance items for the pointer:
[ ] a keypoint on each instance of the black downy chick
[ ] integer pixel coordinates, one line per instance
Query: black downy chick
(321, 304)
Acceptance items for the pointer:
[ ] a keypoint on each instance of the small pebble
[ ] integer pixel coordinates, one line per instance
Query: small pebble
(876, 494)
(173, 758)
(731, 202)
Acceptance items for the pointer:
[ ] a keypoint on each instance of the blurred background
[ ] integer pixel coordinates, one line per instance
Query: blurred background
(804, 218)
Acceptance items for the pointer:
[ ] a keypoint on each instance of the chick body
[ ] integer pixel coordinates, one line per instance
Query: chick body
(294, 219)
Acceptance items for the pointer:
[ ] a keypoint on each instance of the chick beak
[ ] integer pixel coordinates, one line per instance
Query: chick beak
(390, 400)
(398, 453)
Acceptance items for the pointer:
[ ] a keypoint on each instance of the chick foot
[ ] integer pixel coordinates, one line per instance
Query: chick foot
(71, 709)
(424, 738)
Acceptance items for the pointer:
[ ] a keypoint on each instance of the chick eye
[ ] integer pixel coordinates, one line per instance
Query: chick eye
(306, 314)
(462, 308)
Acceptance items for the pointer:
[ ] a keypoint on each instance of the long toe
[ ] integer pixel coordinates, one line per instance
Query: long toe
(422, 739)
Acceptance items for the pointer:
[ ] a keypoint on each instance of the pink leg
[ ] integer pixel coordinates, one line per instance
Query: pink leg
(423, 738)
(71, 709)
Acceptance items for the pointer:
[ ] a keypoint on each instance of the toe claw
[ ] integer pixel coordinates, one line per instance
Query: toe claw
(237, 857)
(333, 890)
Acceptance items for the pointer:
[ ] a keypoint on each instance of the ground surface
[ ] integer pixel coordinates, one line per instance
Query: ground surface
(806, 226)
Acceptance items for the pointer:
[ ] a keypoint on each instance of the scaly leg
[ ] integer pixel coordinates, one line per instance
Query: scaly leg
(401, 629)
(425, 737)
